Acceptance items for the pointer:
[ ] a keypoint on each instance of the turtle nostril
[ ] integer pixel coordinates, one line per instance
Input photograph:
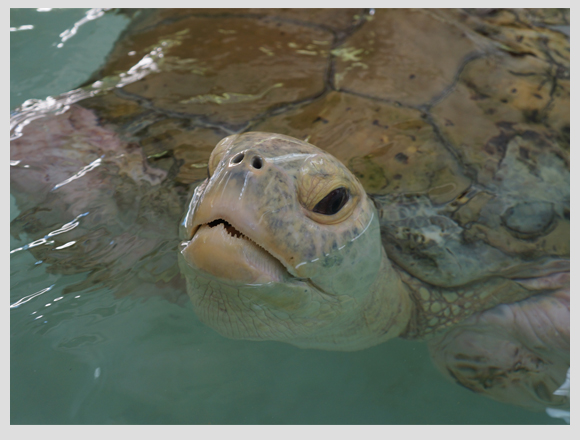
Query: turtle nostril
(257, 162)
(238, 158)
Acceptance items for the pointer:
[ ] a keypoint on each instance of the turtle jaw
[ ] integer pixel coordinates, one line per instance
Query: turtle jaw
(221, 250)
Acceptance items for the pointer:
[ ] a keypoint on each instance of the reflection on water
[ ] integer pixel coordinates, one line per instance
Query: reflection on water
(465, 110)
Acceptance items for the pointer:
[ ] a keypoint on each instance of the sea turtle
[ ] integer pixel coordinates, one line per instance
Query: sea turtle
(283, 243)
(436, 208)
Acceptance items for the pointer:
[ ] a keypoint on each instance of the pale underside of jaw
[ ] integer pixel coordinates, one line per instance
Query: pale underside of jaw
(224, 252)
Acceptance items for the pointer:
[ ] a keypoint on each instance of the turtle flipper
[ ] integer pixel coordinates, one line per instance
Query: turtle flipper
(91, 203)
(516, 353)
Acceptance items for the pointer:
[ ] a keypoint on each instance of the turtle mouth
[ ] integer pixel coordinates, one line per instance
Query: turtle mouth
(231, 230)
(227, 226)
(223, 251)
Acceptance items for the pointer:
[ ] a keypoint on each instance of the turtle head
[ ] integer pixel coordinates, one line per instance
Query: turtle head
(282, 243)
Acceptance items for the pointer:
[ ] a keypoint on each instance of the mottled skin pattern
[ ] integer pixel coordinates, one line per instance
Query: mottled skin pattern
(515, 353)
(338, 289)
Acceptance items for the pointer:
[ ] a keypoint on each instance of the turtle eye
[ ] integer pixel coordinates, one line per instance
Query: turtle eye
(333, 202)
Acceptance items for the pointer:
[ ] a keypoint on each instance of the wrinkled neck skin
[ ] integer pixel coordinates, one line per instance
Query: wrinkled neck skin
(381, 314)
(318, 321)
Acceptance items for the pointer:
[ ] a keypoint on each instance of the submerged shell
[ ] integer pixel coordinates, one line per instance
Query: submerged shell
(457, 122)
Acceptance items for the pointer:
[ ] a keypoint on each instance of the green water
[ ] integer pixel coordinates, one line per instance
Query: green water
(88, 357)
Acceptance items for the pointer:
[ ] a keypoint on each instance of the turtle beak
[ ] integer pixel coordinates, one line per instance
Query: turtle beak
(223, 226)
(221, 250)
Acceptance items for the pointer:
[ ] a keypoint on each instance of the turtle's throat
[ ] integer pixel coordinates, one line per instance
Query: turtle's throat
(383, 313)
(387, 308)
